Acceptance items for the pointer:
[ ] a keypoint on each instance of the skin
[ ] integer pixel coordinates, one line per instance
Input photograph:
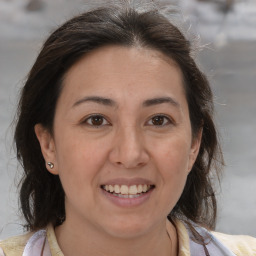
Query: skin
(128, 144)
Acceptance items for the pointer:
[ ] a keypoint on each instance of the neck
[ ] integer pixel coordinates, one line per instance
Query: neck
(84, 241)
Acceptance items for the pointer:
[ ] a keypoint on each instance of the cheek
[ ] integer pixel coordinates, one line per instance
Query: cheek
(79, 162)
(173, 166)
(172, 162)
(173, 155)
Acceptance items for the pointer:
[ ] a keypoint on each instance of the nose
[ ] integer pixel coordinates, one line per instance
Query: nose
(128, 149)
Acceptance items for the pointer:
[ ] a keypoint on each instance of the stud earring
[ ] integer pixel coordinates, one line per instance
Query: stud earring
(50, 164)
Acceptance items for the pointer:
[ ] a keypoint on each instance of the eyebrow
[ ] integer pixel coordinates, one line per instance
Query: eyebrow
(161, 100)
(111, 103)
(96, 99)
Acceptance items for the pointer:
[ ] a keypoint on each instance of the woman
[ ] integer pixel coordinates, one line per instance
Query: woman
(118, 145)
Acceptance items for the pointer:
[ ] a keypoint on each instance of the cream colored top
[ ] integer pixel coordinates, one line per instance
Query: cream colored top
(239, 245)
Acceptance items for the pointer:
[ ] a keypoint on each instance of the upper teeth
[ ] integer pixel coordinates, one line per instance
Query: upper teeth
(127, 190)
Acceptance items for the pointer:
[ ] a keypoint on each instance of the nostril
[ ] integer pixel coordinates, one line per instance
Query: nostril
(141, 164)
(130, 166)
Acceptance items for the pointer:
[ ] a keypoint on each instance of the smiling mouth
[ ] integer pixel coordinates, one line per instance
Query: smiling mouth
(124, 191)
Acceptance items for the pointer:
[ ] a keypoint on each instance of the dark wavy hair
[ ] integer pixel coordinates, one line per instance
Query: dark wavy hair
(41, 193)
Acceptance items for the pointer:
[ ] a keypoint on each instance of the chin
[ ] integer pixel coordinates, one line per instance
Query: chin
(128, 228)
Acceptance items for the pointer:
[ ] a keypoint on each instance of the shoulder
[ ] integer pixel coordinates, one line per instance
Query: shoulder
(239, 245)
(14, 246)
(219, 243)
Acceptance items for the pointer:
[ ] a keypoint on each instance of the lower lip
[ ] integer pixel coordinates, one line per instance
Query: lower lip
(128, 202)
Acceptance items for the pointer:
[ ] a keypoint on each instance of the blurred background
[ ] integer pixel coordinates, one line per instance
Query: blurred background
(227, 30)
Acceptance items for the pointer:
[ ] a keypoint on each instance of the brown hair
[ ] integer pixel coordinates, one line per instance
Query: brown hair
(41, 194)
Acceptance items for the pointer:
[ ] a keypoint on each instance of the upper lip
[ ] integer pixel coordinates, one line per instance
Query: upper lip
(128, 182)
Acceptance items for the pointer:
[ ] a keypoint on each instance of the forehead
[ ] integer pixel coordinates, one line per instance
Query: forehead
(131, 71)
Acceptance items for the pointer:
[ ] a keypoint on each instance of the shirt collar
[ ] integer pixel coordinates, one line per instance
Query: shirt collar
(183, 239)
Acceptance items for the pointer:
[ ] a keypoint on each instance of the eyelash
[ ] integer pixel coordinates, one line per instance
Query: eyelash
(166, 120)
(105, 121)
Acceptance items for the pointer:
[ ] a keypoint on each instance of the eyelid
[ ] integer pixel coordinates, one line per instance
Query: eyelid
(85, 119)
(170, 120)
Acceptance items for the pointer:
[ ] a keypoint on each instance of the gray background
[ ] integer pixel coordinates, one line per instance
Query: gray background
(228, 58)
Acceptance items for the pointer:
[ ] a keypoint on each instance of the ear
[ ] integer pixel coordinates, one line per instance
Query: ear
(47, 145)
(195, 147)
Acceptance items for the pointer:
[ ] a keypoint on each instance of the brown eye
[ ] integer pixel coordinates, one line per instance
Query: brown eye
(96, 120)
(159, 120)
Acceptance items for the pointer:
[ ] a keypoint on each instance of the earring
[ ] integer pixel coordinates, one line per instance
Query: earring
(50, 164)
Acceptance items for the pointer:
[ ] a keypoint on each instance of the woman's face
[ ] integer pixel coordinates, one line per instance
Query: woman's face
(122, 143)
